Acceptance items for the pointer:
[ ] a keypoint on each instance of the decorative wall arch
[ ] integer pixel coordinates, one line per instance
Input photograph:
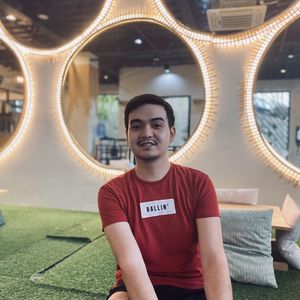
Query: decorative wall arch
(199, 44)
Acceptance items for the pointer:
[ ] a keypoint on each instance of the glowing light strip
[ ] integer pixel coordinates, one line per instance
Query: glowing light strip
(257, 141)
(169, 18)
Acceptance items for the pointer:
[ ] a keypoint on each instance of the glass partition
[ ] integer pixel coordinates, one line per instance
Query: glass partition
(277, 95)
(11, 94)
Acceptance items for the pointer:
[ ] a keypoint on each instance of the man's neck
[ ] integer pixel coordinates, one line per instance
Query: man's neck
(152, 170)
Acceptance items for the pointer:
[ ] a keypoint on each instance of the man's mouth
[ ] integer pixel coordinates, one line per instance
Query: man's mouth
(147, 143)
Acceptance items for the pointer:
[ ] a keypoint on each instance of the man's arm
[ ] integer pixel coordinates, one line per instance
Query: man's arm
(130, 260)
(216, 276)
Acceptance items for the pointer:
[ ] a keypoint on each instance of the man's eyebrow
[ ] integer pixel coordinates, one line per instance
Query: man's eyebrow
(151, 120)
(135, 120)
(157, 119)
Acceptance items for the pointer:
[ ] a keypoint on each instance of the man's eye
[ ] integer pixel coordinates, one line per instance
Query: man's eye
(135, 126)
(158, 125)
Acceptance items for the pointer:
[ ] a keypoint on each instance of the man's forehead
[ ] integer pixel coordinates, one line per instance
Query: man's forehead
(148, 112)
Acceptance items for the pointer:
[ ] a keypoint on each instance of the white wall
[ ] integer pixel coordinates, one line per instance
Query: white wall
(40, 171)
(183, 80)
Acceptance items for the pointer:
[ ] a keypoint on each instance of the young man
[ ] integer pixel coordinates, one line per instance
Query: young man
(161, 219)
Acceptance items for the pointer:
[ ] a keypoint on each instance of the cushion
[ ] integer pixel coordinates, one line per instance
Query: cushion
(242, 196)
(247, 244)
(1, 218)
(287, 239)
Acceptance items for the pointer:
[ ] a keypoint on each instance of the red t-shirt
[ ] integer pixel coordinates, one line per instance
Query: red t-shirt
(162, 216)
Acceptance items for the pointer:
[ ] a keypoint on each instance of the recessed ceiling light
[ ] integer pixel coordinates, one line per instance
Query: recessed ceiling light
(291, 56)
(105, 77)
(20, 79)
(167, 69)
(11, 18)
(283, 71)
(138, 41)
(43, 16)
(155, 61)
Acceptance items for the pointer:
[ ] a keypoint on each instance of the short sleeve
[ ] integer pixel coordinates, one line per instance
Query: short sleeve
(206, 199)
(110, 207)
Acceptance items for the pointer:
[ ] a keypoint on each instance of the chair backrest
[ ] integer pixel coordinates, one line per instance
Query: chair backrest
(241, 196)
(290, 211)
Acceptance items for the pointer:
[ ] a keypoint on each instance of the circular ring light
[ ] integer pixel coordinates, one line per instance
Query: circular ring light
(198, 136)
(258, 142)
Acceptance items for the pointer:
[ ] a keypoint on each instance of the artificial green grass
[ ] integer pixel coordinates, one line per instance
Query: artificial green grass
(92, 269)
(88, 229)
(23, 289)
(25, 249)
(89, 271)
(37, 257)
(27, 225)
(288, 288)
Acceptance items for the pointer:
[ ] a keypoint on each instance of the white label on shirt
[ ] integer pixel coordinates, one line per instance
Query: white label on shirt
(157, 208)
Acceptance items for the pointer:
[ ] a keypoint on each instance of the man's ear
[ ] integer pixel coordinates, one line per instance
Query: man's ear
(172, 134)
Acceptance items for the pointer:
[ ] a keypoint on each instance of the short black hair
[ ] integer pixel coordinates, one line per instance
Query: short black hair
(144, 99)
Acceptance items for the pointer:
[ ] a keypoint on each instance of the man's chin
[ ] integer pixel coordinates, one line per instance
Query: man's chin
(147, 157)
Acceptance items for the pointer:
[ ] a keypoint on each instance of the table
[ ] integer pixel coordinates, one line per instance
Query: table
(278, 220)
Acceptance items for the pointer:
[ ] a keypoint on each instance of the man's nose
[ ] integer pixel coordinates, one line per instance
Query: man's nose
(147, 131)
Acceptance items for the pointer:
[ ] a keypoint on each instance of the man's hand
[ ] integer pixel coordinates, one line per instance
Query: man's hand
(130, 260)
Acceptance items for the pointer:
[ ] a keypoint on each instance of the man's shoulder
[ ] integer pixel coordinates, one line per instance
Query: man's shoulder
(184, 170)
(119, 181)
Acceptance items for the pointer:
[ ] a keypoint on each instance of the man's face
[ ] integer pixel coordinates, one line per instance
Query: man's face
(148, 133)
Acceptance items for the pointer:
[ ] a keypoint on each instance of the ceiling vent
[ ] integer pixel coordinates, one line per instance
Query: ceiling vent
(236, 18)
(234, 3)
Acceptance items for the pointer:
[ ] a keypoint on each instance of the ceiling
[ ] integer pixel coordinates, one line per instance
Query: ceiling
(193, 12)
(115, 48)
